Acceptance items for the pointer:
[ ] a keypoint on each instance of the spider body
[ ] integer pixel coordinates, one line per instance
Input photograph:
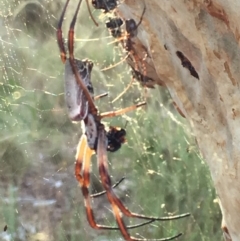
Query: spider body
(96, 139)
(106, 5)
(76, 102)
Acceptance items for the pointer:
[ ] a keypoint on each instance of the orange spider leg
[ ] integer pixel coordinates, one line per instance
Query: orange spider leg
(124, 91)
(121, 111)
(117, 206)
(114, 65)
(100, 96)
(79, 158)
(83, 158)
(119, 39)
(144, 65)
(83, 161)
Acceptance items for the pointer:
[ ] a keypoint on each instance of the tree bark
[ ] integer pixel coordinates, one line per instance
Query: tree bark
(192, 47)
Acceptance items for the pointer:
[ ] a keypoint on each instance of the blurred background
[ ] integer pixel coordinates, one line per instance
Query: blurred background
(39, 196)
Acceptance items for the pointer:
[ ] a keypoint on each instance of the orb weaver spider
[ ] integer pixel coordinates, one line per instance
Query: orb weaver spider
(81, 107)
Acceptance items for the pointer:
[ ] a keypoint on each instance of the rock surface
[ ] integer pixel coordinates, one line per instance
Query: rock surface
(193, 47)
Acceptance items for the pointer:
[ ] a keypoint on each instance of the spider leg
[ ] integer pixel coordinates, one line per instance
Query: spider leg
(83, 161)
(79, 159)
(121, 111)
(103, 192)
(140, 21)
(144, 65)
(125, 90)
(73, 64)
(100, 96)
(114, 65)
(60, 36)
(89, 10)
(117, 206)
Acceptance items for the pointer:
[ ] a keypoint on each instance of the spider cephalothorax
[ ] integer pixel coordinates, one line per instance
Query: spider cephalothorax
(95, 138)
(106, 5)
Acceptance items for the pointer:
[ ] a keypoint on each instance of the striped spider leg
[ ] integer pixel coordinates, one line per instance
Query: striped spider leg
(82, 165)
(117, 205)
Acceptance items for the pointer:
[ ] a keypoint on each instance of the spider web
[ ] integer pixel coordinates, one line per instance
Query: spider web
(40, 198)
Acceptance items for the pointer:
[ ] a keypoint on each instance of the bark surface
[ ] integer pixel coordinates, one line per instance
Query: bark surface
(192, 47)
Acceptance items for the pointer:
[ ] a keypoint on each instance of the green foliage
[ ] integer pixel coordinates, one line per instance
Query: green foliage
(164, 173)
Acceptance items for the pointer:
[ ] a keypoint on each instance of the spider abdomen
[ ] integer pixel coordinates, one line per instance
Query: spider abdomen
(77, 104)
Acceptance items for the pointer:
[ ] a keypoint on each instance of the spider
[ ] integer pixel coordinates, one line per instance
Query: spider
(81, 107)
